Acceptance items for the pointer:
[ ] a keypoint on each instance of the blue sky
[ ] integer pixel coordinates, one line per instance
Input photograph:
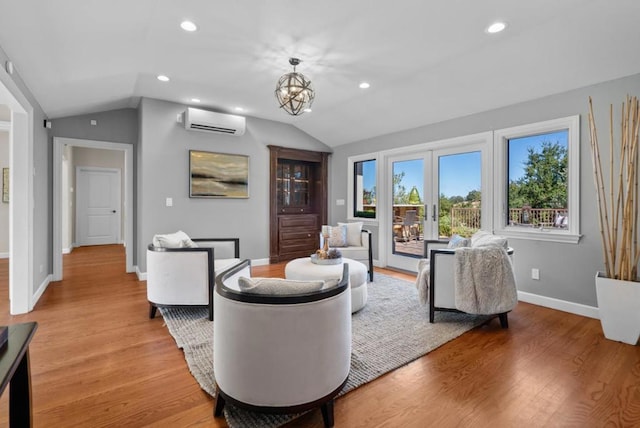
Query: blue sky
(460, 173)
(518, 149)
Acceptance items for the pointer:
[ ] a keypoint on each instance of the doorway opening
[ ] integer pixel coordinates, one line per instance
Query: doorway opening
(101, 221)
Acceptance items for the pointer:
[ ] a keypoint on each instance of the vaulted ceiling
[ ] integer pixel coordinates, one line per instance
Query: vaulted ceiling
(426, 61)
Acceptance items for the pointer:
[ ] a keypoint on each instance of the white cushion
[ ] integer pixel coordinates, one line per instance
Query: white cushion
(278, 286)
(173, 240)
(338, 236)
(354, 231)
(487, 239)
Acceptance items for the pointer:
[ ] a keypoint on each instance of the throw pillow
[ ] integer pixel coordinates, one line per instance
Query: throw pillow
(174, 240)
(458, 241)
(278, 286)
(338, 236)
(354, 233)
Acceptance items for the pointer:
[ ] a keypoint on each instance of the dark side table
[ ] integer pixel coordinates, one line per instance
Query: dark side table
(14, 370)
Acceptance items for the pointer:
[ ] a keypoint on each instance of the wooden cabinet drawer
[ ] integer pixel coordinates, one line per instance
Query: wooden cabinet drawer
(299, 221)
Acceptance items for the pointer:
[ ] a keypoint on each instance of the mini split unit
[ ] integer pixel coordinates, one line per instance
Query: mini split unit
(209, 121)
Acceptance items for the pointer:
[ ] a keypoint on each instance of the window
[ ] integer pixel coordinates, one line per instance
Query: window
(364, 189)
(537, 180)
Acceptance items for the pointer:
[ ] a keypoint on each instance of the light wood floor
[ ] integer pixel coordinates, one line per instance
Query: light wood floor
(98, 361)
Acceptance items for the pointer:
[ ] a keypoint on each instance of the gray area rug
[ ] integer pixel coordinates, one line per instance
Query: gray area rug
(389, 332)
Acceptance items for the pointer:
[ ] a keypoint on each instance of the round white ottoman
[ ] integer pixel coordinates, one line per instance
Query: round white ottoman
(304, 269)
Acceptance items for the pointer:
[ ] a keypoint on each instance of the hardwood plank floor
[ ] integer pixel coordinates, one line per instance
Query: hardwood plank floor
(97, 360)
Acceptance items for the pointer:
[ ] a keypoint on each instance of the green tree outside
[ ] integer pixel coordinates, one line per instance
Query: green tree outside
(544, 184)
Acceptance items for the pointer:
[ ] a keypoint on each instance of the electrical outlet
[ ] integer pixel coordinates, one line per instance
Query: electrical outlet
(535, 273)
(169, 202)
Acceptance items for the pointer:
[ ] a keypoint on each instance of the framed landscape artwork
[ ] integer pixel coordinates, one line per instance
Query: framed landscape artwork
(218, 175)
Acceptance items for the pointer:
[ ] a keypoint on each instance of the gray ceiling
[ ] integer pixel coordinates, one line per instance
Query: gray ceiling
(427, 61)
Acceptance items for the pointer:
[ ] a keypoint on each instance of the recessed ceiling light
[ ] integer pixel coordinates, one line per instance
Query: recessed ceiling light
(195, 100)
(163, 78)
(188, 26)
(496, 27)
(239, 109)
(364, 85)
(307, 110)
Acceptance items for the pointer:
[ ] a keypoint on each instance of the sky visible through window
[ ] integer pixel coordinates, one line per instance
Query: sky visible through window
(461, 173)
(518, 149)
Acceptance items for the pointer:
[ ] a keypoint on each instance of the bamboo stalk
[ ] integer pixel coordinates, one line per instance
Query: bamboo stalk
(595, 160)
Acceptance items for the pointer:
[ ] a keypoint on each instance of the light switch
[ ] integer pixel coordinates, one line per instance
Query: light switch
(339, 202)
(169, 202)
(94, 122)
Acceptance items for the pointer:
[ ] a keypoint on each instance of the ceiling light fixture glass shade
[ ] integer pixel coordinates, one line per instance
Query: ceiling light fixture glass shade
(294, 91)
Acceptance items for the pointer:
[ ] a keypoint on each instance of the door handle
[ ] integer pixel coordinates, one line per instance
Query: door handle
(114, 211)
(433, 214)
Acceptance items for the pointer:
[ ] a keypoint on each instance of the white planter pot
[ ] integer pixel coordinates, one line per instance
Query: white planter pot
(619, 308)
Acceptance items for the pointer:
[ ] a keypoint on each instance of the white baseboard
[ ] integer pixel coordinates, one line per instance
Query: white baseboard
(67, 250)
(560, 305)
(142, 276)
(4, 255)
(40, 291)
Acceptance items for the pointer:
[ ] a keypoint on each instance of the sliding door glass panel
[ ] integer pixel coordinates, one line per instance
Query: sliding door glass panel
(459, 190)
(408, 208)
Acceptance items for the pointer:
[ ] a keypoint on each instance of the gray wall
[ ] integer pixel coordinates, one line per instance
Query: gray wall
(163, 171)
(116, 126)
(42, 155)
(566, 270)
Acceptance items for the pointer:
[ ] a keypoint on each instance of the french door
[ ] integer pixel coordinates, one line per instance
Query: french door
(433, 195)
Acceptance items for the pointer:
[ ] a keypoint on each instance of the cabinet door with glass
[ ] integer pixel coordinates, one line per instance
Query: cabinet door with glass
(293, 187)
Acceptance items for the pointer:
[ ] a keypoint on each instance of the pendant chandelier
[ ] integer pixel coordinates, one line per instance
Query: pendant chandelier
(294, 91)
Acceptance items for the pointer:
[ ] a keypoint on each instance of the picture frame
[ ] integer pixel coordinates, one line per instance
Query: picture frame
(5, 185)
(218, 175)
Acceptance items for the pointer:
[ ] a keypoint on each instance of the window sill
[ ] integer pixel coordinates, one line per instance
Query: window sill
(549, 235)
(367, 221)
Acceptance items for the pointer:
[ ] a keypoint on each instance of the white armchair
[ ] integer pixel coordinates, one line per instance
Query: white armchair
(277, 352)
(438, 273)
(186, 276)
(361, 252)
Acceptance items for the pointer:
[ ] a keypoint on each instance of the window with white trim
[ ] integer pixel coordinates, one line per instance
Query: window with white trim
(362, 195)
(537, 180)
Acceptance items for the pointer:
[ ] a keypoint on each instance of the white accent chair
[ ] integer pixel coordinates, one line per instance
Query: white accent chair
(441, 277)
(280, 353)
(186, 276)
(362, 253)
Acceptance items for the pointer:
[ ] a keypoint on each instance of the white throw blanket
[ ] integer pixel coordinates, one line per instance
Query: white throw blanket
(422, 281)
(484, 280)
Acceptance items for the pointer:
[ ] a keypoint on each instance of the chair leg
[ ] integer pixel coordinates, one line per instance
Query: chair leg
(327, 413)
(218, 405)
(152, 310)
(504, 322)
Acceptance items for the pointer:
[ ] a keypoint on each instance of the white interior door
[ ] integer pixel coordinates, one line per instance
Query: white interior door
(97, 206)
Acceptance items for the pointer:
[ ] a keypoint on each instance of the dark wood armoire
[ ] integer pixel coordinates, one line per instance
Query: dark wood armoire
(298, 201)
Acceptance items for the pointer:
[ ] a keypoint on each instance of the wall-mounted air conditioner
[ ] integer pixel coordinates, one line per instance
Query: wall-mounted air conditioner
(209, 121)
